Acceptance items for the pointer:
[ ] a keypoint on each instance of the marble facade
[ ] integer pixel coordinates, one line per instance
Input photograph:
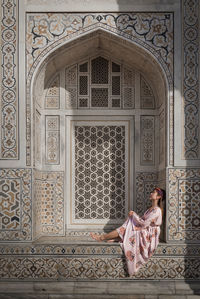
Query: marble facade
(136, 120)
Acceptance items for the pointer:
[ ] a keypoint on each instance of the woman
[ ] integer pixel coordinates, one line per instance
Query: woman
(139, 237)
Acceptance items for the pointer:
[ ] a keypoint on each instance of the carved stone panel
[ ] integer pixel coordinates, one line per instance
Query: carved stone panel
(52, 139)
(183, 206)
(48, 204)
(147, 140)
(52, 99)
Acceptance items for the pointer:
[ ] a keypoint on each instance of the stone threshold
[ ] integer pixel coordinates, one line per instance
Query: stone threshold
(89, 289)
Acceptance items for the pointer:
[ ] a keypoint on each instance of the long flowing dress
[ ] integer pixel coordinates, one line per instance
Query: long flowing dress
(140, 238)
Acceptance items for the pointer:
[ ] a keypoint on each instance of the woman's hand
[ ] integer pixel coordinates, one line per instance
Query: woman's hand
(130, 213)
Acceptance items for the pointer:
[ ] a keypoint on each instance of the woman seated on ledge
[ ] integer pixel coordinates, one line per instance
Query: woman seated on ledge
(139, 237)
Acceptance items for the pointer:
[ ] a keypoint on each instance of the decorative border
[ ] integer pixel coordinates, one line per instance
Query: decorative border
(25, 233)
(51, 268)
(9, 93)
(79, 25)
(174, 232)
(58, 227)
(73, 248)
(44, 29)
(190, 81)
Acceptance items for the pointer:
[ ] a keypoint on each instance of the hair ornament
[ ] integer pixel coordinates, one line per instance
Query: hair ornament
(160, 192)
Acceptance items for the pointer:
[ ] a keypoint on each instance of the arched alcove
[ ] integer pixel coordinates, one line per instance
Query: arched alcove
(135, 94)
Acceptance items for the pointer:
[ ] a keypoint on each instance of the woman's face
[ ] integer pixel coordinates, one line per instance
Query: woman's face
(154, 195)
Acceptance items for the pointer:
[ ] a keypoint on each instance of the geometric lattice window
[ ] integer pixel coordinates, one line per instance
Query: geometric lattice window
(102, 83)
(99, 70)
(147, 100)
(83, 85)
(99, 164)
(99, 97)
(115, 85)
(128, 85)
(71, 87)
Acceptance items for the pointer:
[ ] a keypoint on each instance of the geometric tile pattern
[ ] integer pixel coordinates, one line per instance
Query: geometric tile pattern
(10, 204)
(153, 31)
(189, 204)
(15, 205)
(100, 165)
(9, 83)
(183, 205)
(48, 204)
(190, 20)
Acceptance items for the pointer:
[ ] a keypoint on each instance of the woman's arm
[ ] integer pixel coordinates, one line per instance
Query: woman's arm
(150, 218)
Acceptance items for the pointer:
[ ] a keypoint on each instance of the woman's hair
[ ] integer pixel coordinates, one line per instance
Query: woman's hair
(161, 192)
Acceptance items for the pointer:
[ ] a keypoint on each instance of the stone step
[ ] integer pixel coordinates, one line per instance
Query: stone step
(88, 289)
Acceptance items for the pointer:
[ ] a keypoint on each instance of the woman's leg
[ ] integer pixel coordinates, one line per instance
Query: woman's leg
(117, 233)
(112, 235)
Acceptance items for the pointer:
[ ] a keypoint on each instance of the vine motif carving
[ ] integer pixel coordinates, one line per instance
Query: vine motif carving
(9, 100)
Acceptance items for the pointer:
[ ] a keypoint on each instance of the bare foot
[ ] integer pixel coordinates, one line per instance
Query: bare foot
(96, 237)
(118, 239)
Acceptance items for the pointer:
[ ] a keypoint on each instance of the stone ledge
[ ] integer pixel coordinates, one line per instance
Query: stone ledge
(84, 248)
(97, 289)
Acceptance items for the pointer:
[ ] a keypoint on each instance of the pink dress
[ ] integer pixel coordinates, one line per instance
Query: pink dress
(140, 237)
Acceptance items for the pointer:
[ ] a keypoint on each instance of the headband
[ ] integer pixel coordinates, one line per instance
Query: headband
(160, 192)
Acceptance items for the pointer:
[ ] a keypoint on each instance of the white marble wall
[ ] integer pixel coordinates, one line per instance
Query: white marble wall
(51, 62)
